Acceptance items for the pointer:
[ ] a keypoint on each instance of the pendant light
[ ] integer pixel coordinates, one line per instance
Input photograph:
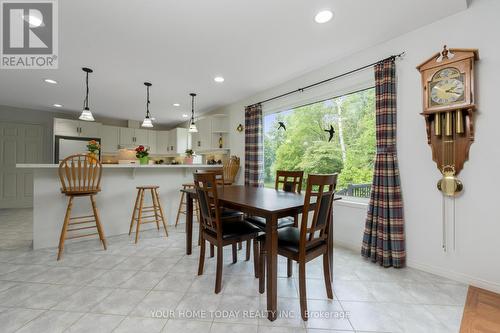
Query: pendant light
(147, 121)
(192, 125)
(86, 114)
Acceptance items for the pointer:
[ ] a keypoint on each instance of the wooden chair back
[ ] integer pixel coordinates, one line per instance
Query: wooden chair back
(208, 201)
(80, 173)
(231, 168)
(319, 193)
(289, 181)
(217, 172)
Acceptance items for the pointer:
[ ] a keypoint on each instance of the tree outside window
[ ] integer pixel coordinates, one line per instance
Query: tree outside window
(304, 145)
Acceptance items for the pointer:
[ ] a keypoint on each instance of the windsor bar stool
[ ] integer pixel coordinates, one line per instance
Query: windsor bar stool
(80, 176)
(139, 208)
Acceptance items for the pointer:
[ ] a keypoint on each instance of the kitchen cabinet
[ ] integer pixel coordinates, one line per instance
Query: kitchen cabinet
(75, 128)
(127, 138)
(204, 126)
(152, 142)
(220, 123)
(162, 142)
(110, 136)
(133, 137)
(141, 137)
(178, 140)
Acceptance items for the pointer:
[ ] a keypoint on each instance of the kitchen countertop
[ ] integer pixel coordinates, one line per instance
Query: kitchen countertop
(126, 166)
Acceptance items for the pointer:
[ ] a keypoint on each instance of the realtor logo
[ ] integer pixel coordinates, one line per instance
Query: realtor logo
(29, 34)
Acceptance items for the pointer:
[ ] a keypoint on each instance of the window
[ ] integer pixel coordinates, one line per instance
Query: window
(304, 144)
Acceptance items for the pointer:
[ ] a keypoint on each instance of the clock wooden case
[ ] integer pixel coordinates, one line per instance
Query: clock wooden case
(448, 108)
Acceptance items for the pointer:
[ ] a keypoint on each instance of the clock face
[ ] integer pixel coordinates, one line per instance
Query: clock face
(447, 87)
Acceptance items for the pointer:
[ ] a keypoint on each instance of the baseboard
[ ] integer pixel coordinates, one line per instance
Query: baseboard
(460, 277)
(347, 245)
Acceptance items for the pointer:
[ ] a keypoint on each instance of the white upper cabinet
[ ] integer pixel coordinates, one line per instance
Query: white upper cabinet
(141, 137)
(90, 129)
(162, 142)
(133, 137)
(178, 140)
(110, 136)
(220, 123)
(204, 141)
(152, 142)
(127, 137)
(68, 127)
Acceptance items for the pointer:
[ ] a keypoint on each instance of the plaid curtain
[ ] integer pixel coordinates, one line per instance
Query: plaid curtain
(254, 154)
(384, 239)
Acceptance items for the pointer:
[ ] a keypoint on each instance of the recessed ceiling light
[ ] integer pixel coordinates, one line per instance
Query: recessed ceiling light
(57, 105)
(323, 16)
(219, 79)
(50, 81)
(185, 116)
(176, 104)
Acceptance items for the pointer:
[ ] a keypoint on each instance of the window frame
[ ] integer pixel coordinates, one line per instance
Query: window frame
(319, 98)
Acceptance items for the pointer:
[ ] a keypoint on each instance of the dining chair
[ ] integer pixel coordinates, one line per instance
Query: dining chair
(217, 231)
(310, 240)
(226, 213)
(288, 181)
(80, 176)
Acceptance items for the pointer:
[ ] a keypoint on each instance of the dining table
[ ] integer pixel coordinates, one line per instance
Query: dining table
(267, 203)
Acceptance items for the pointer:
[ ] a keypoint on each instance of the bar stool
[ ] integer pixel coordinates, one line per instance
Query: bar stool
(80, 176)
(183, 205)
(139, 208)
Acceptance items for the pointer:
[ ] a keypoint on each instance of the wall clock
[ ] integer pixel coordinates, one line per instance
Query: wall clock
(448, 109)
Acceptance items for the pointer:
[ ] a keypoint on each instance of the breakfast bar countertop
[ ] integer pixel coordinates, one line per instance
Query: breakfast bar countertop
(115, 200)
(125, 166)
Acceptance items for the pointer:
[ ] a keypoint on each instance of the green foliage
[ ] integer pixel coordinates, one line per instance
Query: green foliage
(304, 145)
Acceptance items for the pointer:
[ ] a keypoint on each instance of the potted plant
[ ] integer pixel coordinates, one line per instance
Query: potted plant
(189, 156)
(93, 148)
(142, 154)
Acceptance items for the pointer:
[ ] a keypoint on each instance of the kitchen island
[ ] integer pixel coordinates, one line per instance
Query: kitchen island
(115, 201)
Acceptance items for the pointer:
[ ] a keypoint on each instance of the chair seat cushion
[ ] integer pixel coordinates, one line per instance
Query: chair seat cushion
(289, 238)
(237, 229)
(229, 213)
(261, 222)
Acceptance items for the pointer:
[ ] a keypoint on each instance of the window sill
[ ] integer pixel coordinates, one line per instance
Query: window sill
(353, 202)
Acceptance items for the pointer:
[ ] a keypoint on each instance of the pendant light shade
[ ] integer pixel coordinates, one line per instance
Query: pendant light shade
(86, 114)
(192, 125)
(147, 120)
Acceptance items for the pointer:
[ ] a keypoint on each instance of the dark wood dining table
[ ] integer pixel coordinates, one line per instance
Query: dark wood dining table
(264, 202)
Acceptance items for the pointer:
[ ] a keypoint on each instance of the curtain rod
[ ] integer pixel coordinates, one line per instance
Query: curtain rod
(393, 57)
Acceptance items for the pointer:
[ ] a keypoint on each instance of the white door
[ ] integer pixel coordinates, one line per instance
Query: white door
(109, 139)
(205, 133)
(19, 143)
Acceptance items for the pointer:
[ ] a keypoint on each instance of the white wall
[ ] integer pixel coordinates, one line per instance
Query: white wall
(476, 259)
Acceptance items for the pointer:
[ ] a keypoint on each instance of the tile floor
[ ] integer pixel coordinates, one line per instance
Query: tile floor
(153, 287)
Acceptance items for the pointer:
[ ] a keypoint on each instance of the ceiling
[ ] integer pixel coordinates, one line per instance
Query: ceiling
(180, 46)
